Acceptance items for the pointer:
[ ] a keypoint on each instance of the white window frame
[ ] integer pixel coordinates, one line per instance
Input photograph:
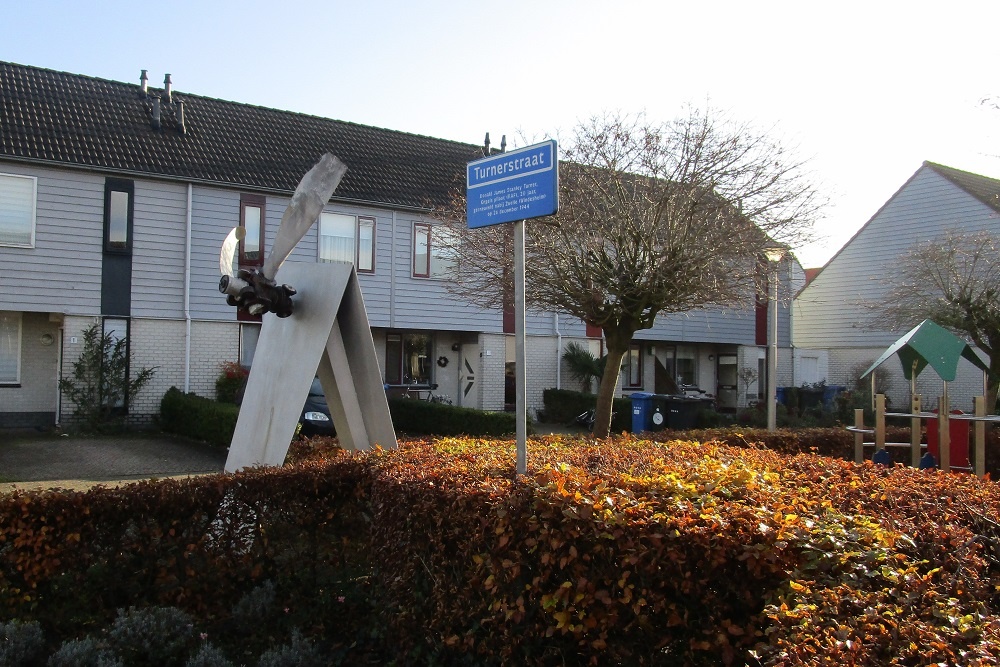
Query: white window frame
(360, 225)
(11, 323)
(437, 260)
(633, 366)
(6, 195)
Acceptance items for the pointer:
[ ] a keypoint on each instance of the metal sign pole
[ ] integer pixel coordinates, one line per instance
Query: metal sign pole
(520, 376)
(514, 187)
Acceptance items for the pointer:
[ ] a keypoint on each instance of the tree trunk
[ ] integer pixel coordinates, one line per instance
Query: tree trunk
(617, 347)
(992, 384)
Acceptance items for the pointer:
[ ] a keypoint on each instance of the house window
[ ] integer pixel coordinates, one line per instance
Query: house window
(252, 220)
(633, 366)
(118, 212)
(249, 335)
(347, 238)
(686, 366)
(10, 348)
(117, 330)
(408, 358)
(17, 210)
(433, 251)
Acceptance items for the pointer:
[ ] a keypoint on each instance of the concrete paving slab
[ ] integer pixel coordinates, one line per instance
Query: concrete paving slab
(31, 460)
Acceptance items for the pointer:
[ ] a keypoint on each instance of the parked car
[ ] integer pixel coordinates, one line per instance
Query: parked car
(315, 419)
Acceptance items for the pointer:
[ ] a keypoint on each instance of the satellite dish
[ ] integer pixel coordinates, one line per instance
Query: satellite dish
(255, 291)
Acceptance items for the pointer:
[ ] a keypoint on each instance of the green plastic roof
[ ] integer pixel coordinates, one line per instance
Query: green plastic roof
(930, 344)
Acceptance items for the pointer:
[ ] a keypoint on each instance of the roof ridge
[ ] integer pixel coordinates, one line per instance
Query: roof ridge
(983, 188)
(939, 166)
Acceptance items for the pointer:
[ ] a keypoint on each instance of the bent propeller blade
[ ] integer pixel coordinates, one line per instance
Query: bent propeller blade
(229, 250)
(311, 195)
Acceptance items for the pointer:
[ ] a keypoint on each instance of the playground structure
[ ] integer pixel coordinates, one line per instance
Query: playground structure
(950, 443)
(929, 344)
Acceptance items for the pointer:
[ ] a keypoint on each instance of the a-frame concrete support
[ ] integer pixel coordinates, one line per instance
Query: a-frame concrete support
(328, 336)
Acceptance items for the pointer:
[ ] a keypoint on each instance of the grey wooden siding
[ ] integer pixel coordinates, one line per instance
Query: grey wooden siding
(62, 273)
(425, 303)
(158, 249)
(735, 327)
(828, 312)
(214, 212)
(69, 233)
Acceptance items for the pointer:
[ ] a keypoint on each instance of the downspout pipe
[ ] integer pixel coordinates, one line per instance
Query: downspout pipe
(392, 273)
(187, 293)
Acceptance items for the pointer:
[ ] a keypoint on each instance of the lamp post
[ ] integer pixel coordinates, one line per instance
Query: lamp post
(774, 256)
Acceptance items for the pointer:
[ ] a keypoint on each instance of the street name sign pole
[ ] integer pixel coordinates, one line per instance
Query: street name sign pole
(514, 187)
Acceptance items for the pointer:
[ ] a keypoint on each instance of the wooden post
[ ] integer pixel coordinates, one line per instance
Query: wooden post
(915, 425)
(979, 408)
(859, 437)
(879, 422)
(944, 430)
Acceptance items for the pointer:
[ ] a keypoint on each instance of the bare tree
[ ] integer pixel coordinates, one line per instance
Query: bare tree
(953, 280)
(653, 218)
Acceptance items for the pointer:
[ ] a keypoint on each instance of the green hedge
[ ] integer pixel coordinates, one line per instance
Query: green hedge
(562, 406)
(198, 417)
(425, 418)
(201, 418)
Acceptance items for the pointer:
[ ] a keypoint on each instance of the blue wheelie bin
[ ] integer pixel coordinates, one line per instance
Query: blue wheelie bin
(642, 411)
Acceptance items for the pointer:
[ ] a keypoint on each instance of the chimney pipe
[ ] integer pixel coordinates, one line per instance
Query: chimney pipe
(166, 88)
(156, 113)
(180, 118)
(143, 81)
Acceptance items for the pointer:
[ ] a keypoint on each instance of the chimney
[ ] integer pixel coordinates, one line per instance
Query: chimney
(166, 88)
(156, 113)
(143, 81)
(180, 118)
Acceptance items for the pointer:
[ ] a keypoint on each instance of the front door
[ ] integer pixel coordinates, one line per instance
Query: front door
(727, 395)
(467, 387)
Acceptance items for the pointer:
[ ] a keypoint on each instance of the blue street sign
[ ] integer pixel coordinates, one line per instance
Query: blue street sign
(518, 185)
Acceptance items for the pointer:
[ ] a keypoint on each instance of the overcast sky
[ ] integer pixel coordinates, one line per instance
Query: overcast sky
(866, 90)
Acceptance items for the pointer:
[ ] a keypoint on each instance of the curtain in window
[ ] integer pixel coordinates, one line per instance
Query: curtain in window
(336, 238)
(17, 210)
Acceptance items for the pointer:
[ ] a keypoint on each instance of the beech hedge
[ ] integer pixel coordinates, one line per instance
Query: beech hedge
(625, 551)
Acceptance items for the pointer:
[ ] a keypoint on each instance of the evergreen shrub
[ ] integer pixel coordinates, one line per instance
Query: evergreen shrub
(425, 418)
(198, 417)
(563, 406)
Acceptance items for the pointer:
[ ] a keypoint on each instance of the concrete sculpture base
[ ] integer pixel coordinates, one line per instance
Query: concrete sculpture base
(327, 336)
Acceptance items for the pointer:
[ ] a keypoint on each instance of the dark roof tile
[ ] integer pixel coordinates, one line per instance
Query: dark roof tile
(83, 121)
(986, 190)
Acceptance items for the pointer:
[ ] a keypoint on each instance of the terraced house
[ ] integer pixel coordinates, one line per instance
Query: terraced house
(116, 197)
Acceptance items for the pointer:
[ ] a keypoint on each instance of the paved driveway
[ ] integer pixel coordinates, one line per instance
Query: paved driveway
(31, 461)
